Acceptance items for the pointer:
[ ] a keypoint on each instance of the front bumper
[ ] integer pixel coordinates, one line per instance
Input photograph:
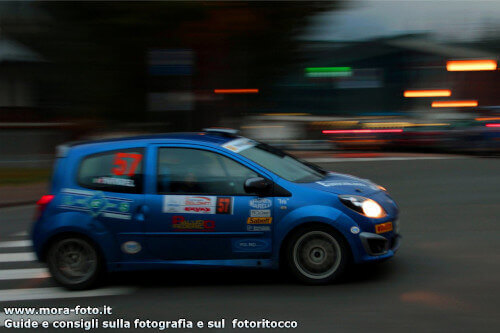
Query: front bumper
(378, 245)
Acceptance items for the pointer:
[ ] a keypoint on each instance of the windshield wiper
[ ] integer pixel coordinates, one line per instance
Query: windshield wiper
(315, 167)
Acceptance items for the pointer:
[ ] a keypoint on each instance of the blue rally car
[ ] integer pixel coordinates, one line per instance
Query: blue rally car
(207, 199)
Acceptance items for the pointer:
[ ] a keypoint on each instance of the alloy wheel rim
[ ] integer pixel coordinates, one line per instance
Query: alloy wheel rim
(317, 255)
(75, 260)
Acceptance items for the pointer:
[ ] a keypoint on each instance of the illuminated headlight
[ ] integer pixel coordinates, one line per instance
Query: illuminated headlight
(363, 206)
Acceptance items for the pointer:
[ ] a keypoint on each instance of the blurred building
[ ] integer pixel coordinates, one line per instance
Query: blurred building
(19, 87)
(91, 68)
(373, 75)
(27, 135)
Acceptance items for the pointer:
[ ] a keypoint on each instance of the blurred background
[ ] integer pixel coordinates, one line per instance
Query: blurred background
(335, 77)
(405, 93)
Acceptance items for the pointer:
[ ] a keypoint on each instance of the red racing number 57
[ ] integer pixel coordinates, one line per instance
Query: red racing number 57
(126, 163)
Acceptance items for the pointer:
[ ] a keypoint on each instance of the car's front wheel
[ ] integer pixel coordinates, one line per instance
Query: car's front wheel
(74, 263)
(317, 255)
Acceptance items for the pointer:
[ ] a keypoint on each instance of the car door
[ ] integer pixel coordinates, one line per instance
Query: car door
(110, 189)
(200, 210)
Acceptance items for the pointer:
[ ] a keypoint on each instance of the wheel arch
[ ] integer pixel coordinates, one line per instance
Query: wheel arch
(310, 225)
(68, 234)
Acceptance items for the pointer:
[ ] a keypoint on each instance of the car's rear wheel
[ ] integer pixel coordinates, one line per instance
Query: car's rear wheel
(317, 255)
(74, 263)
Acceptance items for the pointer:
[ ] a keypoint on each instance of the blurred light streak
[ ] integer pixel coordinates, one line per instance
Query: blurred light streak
(336, 122)
(264, 126)
(427, 93)
(286, 114)
(434, 124)
(361, 131)
(471, 65)
(361, 141)
(329, 74)
(488, 118)
(328, 71)
(236, 91)
(448, 104)
(392, 124)
(376, 117)
(492, 125)
(401, 124)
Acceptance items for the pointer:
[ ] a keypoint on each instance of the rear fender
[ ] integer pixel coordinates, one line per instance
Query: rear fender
(81, 223)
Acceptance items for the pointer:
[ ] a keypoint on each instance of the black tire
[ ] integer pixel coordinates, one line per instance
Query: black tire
(317, 255)
(75, 263)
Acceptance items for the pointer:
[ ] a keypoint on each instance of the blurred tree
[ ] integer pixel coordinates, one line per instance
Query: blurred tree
(98, 50)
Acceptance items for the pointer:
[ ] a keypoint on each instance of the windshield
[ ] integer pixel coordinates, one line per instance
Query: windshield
(283, 164)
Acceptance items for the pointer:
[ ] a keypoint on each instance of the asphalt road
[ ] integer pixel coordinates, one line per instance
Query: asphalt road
(445, 278)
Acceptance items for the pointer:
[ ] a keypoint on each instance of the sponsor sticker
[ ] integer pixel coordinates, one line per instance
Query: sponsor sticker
(283, 201)
(224, 205)
(114, 181)
(253, 227)
(189, 204)
(126, 163)
(131, 247)
(198, 201)
(330, 183)
(197, 210)
(383, 227)
(260, 212)
(261, 203)
(259, 220)
(355, 230)
(96, 203)
(231, 147)
(250, 245)
(239, 145)
(117, 216)
(180, 223)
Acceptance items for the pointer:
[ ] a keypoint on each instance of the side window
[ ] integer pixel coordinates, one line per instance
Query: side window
(114, 171)
(195, 171)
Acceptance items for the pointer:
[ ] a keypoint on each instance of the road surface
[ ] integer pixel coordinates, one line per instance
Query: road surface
(445, 278)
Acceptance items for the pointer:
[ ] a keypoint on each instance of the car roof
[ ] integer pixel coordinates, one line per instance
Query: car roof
(211, 138)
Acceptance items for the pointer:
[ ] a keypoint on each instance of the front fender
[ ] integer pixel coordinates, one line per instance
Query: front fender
(74, 222)
(318, 214)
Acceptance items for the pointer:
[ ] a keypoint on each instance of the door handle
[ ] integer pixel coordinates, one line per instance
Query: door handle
(142, 212)
(144, 209)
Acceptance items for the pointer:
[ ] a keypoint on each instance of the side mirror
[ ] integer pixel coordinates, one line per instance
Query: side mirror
(258, 185)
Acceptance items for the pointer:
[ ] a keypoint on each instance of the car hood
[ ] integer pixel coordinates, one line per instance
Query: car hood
(339, 183)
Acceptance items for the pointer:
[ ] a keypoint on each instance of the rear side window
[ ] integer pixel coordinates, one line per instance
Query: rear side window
(113, 171)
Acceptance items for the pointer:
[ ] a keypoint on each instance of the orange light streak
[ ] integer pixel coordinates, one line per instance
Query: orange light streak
(428, 93)
(449, 104)
(487, 118)
(471, 65)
